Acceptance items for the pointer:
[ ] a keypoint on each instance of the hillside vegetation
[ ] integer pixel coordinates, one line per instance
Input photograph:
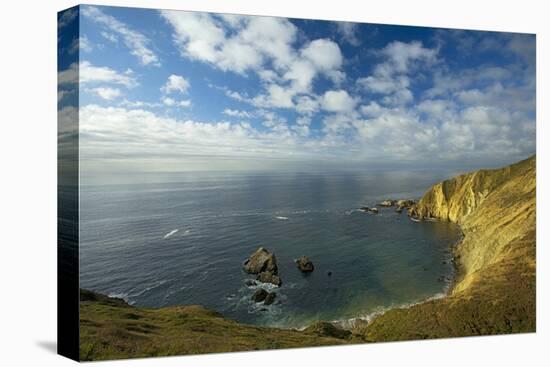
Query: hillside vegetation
(111, 329)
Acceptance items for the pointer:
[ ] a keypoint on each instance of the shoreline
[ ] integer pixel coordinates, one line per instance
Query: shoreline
(348, 324)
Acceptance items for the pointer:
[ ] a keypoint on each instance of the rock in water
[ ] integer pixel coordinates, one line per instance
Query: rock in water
(259, 295)
(268, 277)
(387, 203)
(405, 203)
(270, 298)
(261, 261)
(374, 210)
(305, 265)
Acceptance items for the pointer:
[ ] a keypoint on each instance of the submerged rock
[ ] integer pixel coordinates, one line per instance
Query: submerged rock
(367, 209)
(268, 277)
(261, 261)
(270, 298)
(305, 265)
(259, 295)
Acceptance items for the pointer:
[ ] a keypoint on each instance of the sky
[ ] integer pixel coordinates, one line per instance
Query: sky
(170, 91)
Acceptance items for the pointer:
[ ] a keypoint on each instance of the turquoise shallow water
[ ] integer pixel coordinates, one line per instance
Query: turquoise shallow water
(181, 239)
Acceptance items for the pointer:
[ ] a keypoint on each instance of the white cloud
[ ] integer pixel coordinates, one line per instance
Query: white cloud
(384, 84)
(403, 55)
(324, 54)
(237, 113)
(338, 101)
(170, 102)
(263, 45)
(81, 43)
(111, 37)
(349, 32)
(390, 78)
(176, 83)
(138, 137)
(135, 41)
(307, 105)
(106, 93)
(88, 73)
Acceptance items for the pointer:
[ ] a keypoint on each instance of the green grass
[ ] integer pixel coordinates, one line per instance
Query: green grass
(112, 329)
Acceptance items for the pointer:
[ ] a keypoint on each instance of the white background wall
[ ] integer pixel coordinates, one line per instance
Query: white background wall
(28, 182)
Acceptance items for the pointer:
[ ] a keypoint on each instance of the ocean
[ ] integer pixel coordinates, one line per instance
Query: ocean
(181, 239)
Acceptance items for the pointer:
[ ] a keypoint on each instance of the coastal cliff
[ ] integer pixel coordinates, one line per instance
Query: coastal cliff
(494, 292)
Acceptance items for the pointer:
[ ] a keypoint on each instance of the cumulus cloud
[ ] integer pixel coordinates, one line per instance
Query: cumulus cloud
(135, 41)
(175, 83)
(263, 45)
(106, 93)
(390, 78)
(338, 101)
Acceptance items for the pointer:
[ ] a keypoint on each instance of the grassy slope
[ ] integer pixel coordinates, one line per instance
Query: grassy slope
(495, 291)
(112, 329)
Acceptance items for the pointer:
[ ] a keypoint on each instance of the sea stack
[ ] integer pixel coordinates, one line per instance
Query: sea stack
(263, 263)
(305, 265)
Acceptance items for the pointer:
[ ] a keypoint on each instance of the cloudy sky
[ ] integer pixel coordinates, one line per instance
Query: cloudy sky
(176, 91)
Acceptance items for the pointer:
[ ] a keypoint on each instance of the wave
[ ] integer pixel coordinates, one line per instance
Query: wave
(122, 295)
(350, 323)
(170, 233)
(281, 218)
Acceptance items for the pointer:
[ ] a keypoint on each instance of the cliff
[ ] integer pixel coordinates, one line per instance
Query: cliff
(495, 289)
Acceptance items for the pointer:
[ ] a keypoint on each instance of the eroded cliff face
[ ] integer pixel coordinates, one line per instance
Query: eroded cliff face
(495, 289)
(496, 210)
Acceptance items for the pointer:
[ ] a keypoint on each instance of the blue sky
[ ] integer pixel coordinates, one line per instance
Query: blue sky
(174, 90)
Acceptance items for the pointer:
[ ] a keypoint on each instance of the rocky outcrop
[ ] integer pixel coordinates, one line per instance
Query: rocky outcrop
(305, 265)
(270, 298)
(268, 277)
(405, 203)
(260, 261)
(263, 263)
(367, 209)
(259, 295)
(387, 203)
(494, 292)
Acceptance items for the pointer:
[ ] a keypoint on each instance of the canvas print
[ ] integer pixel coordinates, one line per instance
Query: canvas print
(238, 183)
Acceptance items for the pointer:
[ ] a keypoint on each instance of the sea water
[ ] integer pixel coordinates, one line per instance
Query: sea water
(181, 239)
